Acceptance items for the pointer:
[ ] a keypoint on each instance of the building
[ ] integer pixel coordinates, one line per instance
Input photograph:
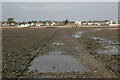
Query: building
(90, 23)
(23, 24)
(78, 22)
(4, 24)
(59, 23)
(96, 23)
(53, 23)
(114, 22)
(39, 24)
(32, 24)
(71, 23)
(84, 23)
(106, 22)
(48, 23)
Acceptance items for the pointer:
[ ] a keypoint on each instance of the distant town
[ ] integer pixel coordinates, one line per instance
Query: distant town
(11, 22)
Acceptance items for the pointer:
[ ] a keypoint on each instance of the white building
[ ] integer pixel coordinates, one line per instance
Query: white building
(53, 24)
(114, 22)
(96, 23)
(90, 23)
(47, 24)
(24, 25)
(5, 24)
(107, 22)
(39, 24)
(78, 22)
(12, 24)
(84, 23)
(32, 24)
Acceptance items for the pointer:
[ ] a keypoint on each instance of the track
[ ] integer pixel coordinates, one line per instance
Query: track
(62, 43)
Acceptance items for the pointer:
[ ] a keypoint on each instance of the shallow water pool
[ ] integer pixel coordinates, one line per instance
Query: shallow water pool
(56, 61)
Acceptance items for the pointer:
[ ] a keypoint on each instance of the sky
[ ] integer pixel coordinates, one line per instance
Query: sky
(60, 0)
(74, 11)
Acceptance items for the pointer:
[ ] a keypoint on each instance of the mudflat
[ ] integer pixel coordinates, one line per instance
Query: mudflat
(64, 55)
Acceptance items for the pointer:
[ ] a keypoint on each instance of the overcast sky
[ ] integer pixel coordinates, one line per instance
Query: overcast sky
(27, 11)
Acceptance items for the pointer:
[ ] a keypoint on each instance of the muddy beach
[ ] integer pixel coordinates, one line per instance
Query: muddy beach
(68, 52)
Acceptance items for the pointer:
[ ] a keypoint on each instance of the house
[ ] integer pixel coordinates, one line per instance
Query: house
(114, 22)
(90, 23)
(53, 23)
(96, 23)
(39, 24)
(102, 23)
(71, 23)
(106, 22)
(48, 23)
(4, 24)
(59, 23)
(12, 24)
(84, 23)
(32, 24)
(23, 24)
(78, 22)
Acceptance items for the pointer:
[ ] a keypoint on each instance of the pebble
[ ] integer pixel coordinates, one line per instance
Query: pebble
(95, 71)
(84, 77)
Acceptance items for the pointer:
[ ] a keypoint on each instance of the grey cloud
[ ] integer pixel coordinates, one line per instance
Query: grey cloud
(25, 11)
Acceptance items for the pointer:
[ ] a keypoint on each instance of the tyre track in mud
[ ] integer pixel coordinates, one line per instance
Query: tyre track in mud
(39, 49)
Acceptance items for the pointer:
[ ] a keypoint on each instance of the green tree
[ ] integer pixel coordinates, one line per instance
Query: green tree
(40, 21)
(29, 22)
(66, 21)
(10, 20)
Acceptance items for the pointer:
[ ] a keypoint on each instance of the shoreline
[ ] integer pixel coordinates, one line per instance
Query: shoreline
(62, 27)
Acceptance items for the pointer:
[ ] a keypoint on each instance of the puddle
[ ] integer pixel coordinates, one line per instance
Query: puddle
(110, 47)
(78, 34)
(56, 61)
(57, 44)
